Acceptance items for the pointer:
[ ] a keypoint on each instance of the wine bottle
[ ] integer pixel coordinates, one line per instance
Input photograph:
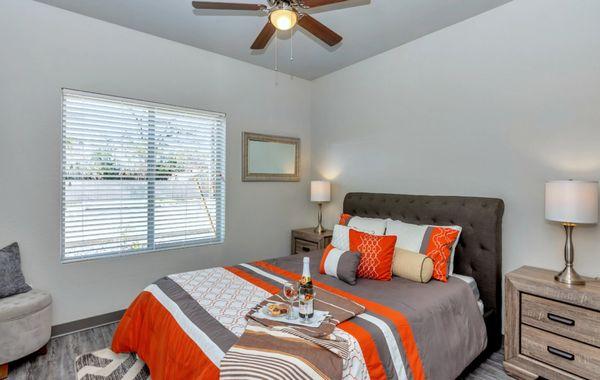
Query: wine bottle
(306, 292)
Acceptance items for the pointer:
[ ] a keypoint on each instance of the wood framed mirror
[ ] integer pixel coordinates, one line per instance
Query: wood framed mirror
(268, 158)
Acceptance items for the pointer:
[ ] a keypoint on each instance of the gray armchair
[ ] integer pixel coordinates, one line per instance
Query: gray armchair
(25, 323)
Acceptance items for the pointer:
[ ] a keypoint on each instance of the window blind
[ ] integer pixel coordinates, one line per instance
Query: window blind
(139, 176)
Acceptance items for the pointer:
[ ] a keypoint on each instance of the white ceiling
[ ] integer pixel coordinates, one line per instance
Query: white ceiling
(369, 27)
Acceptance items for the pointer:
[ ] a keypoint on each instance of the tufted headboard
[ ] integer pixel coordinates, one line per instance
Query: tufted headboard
(479, 250)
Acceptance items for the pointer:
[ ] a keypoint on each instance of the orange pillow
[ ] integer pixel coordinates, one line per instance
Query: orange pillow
(438, 242)
(344, 219)
(376, 254)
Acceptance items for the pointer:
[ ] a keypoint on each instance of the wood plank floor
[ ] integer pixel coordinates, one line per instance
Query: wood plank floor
(58, 363)
(491, 369)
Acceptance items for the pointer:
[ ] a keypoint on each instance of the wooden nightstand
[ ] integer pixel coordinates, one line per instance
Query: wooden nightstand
(306, 239)
(552, 330)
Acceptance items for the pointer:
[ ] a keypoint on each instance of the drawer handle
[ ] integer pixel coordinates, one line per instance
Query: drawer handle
(561, 353)
(306, 249)
(559, 319)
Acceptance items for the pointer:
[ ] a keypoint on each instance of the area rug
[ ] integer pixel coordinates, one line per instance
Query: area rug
(106, 365)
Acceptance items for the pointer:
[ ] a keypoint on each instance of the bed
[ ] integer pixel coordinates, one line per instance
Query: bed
(183, 324)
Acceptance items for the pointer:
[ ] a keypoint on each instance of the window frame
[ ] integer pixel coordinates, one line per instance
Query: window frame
(220, 215)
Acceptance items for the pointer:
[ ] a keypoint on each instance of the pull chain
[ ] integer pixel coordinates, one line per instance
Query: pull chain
(291, 52)
(276, 50)
(276, 57)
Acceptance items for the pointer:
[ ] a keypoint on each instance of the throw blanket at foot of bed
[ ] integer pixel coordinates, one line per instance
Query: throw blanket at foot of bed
(274, 349)
(182, 325)
(267, 353)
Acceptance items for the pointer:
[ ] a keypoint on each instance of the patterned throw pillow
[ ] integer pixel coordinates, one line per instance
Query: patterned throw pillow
(376, 254)
(434, 241)
(398, 227)
(340, 264)
(12, 280)
(374, 226)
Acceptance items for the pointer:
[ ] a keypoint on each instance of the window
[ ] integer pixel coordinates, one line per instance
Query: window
(139, 176)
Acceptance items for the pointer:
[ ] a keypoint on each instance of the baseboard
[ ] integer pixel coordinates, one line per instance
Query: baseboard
(87, 323)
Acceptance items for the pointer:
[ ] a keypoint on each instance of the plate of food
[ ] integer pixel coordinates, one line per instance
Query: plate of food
(276, 309)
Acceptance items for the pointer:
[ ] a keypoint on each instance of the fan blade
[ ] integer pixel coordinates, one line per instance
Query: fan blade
(319, 3)
(263, 37)
(319, 30)
(228, 6)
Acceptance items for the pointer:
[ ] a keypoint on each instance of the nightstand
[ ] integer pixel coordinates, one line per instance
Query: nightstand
(552, 330)
(305, 240)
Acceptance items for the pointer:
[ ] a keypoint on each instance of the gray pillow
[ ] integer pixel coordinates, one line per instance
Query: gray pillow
(348, 266)
(12, 280)
(340, 264)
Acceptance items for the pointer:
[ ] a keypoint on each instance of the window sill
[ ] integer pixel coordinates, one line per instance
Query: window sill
(69, 260)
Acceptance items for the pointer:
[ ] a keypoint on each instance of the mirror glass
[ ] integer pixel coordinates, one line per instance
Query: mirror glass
(270, 158)
(266, 157)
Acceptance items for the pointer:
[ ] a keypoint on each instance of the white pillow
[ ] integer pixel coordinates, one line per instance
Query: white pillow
(341, 237)
(373, 226)
(410, 236)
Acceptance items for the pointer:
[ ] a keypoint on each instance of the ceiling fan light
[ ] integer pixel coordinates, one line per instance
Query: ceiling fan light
(283, 19)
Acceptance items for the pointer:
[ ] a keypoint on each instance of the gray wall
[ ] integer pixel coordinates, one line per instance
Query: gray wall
(43, 49)
(493, 106)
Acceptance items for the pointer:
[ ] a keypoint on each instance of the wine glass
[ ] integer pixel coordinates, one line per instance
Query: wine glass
(290, 292)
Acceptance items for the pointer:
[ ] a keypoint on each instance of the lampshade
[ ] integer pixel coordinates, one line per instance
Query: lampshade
(572, 201)
(320, 191)
(283, 19)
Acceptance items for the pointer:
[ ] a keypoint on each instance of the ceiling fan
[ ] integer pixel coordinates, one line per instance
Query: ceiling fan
(283, 15)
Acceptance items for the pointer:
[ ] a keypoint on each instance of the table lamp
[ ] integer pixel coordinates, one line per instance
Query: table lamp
(320, 191)
(571, 203)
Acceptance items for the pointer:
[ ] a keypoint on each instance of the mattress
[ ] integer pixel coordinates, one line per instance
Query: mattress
(473, 285)
(183, 324)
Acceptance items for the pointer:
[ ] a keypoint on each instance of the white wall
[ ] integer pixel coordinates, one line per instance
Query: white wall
(43, 49)
(493, 106)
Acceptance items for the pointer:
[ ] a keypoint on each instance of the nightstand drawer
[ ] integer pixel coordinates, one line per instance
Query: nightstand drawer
(305, 240)
(571, 321)
(303, 246)
(575, 357)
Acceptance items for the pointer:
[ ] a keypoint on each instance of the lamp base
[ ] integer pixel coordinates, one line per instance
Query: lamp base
(319, 228)
(569, 276)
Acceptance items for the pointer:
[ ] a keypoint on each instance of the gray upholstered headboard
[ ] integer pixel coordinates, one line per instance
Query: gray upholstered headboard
(479, 251)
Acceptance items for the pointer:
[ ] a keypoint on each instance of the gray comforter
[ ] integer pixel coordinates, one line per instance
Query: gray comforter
(445, 320)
